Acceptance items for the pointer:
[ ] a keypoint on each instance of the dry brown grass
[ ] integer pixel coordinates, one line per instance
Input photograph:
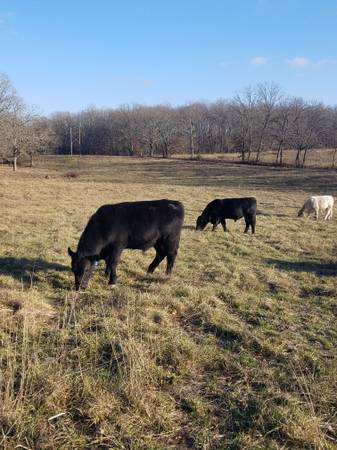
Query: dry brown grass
(237, 350)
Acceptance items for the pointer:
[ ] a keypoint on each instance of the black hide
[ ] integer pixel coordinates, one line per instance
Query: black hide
(219, 210)
(133, 225)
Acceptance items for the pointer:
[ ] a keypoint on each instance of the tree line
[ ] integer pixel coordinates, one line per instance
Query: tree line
(22, 131)
(257, 119)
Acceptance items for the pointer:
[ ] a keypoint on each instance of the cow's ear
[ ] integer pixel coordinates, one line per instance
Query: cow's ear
(71, 253)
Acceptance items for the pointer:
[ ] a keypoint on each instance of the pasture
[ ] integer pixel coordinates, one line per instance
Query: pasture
(236, 350)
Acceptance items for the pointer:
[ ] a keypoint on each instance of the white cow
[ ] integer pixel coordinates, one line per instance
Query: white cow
(317, 203)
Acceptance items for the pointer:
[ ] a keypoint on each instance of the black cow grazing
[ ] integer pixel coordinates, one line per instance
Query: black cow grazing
(134, 225)
(219, 210)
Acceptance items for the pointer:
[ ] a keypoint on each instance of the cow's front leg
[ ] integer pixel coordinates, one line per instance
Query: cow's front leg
(112, 264)
(215, 224)
(107, 266)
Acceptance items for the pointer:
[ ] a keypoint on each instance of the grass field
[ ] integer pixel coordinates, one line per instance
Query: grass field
(237, 350)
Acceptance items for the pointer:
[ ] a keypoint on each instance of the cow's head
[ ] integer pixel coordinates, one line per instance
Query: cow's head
(201, 223)
(82, 268)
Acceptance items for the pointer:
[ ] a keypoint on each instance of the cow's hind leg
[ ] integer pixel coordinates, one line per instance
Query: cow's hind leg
(112, 262)
(247, 221)
(253, 223)
(223, 223)
(172, 250)
(250, 222)
(328, 213)
(171, 257)
(160, 255)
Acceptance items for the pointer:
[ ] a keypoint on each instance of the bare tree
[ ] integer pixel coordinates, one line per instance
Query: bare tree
(10, 104)
(222, 125)
(268, 97)
(244, 105)
(280, 128)
(8, 95)
(128, 118)
(306, 129)
(330, 135)
(189, 121)
(40, 138)
(16, 131)
(167, 130)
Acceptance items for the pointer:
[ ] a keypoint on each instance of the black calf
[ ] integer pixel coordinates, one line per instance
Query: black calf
(134, 225)
(219, 210)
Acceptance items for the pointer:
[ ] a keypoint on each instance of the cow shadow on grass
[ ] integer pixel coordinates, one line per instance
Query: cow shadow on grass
(267, 214)
(147, 278)
(31, 270)
(188, 227)
(327, 269)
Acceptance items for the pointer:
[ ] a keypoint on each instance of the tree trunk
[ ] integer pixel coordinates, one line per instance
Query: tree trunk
(15, 165)
(249, 153)
(259, 151)
(249, 145)
(304, 157)
(191, 141)
(334, 158)
(279, 154)
(71, 141)
(243, 149)
(257, 155)
(281, 157)
(297, 160)
(259, 148)
(31, 160)
(165, 150)
(79, 140)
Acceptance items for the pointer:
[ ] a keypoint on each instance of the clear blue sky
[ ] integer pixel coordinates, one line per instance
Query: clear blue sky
(67, 55)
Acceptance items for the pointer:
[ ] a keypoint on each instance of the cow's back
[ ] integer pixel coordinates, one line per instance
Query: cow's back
(135, 224)
(319, 201)
(325, 201)
(239, 207)
(144, 214)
